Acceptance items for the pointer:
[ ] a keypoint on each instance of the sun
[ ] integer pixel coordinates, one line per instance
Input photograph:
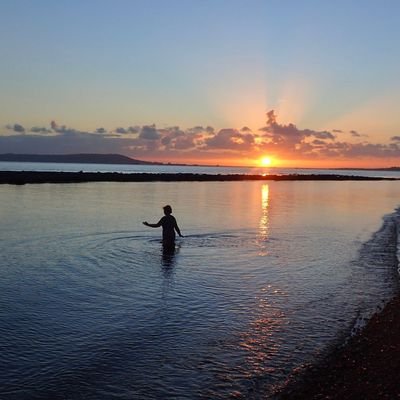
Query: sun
(266, 161)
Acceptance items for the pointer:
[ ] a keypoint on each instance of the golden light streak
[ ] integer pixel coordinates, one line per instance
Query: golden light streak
(295, 99)
(263, 227)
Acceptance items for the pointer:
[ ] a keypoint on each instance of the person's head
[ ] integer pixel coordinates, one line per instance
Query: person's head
(167, 210)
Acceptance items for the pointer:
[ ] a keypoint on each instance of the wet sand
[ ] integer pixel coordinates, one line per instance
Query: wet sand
(367, 367)
(24, 177)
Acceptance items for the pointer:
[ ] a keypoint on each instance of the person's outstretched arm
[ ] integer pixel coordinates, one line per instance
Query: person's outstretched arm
(157, 225)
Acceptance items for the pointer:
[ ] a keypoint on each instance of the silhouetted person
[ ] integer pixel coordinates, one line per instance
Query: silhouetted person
(169, 226)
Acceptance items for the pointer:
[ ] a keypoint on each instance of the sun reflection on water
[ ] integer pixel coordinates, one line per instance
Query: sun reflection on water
(261, 340)
(263, 229)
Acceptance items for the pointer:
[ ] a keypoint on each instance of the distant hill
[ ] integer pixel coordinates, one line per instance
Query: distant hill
(74, 158)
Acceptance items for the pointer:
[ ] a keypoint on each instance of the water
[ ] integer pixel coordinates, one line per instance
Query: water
(124, 168)
(267, 277)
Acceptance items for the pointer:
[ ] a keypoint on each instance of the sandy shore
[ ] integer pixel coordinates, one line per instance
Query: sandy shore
(367, 367)
(24, 177)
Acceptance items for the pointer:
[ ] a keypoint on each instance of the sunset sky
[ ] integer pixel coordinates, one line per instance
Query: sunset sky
(305, 83)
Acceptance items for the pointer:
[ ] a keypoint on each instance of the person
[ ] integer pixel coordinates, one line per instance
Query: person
(169, 226)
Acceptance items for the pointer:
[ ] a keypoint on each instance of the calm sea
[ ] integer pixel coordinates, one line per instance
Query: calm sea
(267, 277)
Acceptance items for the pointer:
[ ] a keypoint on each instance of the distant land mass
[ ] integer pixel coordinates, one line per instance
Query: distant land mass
(75, 158)
(368, 169)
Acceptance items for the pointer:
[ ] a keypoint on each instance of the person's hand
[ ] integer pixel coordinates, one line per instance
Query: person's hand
(145, 223)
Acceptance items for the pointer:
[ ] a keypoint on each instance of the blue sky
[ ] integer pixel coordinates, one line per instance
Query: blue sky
(105, 64)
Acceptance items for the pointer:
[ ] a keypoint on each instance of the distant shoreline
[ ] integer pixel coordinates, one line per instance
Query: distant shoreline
(26, 177)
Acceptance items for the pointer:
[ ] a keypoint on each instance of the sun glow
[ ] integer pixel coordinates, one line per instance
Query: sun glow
(266, 161)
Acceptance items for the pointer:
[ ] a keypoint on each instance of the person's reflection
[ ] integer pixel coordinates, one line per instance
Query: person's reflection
(168, 258)
(168, 262)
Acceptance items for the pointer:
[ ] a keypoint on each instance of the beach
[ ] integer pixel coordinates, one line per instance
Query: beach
(366, 367)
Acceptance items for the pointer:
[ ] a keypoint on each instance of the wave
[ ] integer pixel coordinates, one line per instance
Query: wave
(379, 259)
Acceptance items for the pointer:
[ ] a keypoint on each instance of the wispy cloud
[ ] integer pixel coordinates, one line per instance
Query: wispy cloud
(355, 134)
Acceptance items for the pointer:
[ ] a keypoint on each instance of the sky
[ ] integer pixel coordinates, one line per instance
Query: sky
(304, 83)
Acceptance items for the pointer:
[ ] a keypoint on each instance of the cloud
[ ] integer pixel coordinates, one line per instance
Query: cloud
(174, 132)
(68, 142)
(174, 138)
(196, 130)
(134, 129)
(16, 128)
(291, 142)
(70, 131)
(355, 134)
(318, 142)
(229, 139)
(288, 138)
(130, 129)
(62, 129)
(321, 135)
(37, 129)
(373, 150)
(337, 131)
(361, 150)
(121, 130)
(166, 141)
(271, 117)
(285, 141)
(184, 143)
(149, 132)
(63, 140)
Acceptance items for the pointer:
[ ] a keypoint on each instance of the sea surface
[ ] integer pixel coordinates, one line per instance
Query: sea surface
(213, 170)
(267, 278)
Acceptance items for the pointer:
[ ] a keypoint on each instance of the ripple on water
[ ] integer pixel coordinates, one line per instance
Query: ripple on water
(108, 315)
